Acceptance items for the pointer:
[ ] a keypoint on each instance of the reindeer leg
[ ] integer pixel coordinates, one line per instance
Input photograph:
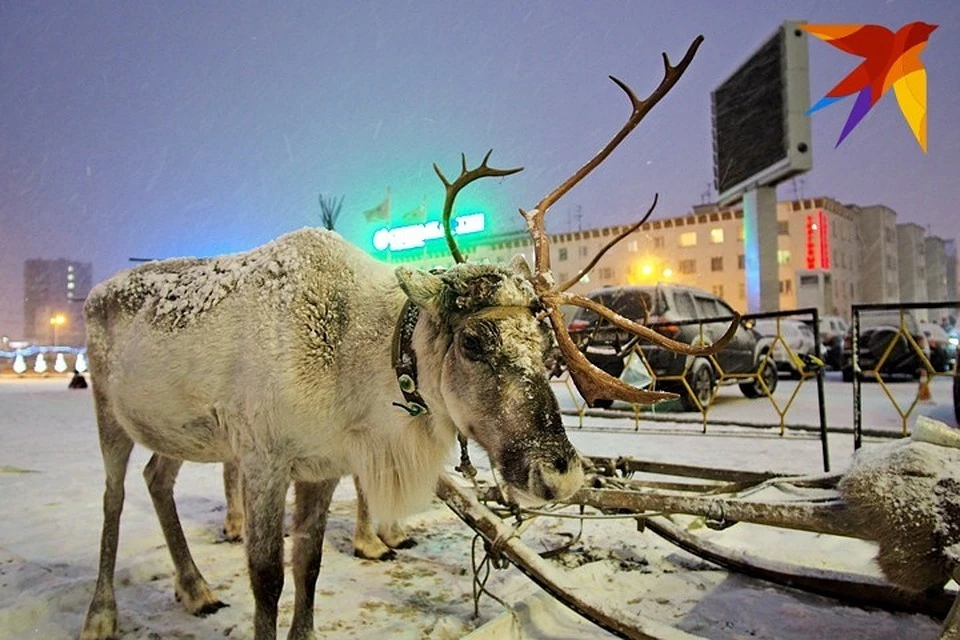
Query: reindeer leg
(115, 445)
(395, 537)
(309, 524)
(264, 497)
(233, 491)
(366, 543)
(190, 587)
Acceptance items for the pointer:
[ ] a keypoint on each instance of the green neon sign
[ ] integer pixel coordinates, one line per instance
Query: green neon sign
(416, 236)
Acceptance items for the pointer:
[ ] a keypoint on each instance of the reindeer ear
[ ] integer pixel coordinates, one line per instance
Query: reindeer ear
(521, 266)
(422, 287)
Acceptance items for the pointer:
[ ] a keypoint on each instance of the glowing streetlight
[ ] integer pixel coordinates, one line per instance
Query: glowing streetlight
(667, 272)
(647, 269)
(56, 321)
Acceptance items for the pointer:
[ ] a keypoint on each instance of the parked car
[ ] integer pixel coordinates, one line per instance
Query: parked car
(668, 307)
(943, 353)
(796, 335)
(833, 329)
(877, 330)
(956, 392)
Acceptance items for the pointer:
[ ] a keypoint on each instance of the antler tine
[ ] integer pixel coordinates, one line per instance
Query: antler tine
(590, 265)
(453, 188)
(640, 110)
(535, 216)
(646, 332)
(592, 382)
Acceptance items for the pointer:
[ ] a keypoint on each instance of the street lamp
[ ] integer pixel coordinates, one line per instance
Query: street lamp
(56, 321)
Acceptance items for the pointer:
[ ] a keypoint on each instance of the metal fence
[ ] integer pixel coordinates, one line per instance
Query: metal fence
(892, 348)
(754, 381)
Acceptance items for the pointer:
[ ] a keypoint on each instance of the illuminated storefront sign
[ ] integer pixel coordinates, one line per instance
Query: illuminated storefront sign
(416, 236)
(818, 241)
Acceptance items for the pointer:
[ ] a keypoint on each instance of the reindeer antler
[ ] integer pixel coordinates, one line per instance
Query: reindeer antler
(592, 382)
(453, 188)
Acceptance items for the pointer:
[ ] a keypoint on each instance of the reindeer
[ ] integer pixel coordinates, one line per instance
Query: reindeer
(368, 542)
(359, 369)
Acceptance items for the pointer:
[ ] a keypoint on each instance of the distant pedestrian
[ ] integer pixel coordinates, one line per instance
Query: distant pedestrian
(77, 381)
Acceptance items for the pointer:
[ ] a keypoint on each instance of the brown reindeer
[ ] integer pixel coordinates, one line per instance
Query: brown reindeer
(361, 369)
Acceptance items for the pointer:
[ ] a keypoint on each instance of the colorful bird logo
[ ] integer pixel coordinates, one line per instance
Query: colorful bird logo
(890, 59)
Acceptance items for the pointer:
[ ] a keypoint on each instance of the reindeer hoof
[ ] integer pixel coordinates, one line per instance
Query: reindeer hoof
(100, 625)
(406, 543)
(387, 555)
(211, 607)
(231, 537)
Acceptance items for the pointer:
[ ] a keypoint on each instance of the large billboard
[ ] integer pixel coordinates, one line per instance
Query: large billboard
(761, 135)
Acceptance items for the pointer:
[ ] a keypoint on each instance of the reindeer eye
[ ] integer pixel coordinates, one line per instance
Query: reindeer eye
(471, 345)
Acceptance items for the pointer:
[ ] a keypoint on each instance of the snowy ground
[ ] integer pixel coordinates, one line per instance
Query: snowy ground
(51, 483)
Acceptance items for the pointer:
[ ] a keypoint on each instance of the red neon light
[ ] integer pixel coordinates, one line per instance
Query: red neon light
(811, 247)
(824, 240)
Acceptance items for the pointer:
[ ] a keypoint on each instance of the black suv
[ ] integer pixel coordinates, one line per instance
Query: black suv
(678, 313)
(878, 329)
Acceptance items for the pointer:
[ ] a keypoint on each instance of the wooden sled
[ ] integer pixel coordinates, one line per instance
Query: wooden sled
(722, 498)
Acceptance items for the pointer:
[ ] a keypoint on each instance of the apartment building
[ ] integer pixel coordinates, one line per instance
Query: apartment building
(879, 259)
(912, 250)
(852, 250)
(935, 250)
(53, 300)
(703, 249)
(952, 268)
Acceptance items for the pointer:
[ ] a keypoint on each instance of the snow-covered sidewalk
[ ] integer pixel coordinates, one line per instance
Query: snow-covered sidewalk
(51, 481)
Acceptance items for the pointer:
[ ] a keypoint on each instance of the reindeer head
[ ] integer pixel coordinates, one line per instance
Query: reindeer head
(486, 344)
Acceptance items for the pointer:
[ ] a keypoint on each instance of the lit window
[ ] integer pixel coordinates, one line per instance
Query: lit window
(741, 233)
(632, 246)
(688, 239)
(783, 256)
(69, 268)
(716, 235)
(69, 276)
(70, 286)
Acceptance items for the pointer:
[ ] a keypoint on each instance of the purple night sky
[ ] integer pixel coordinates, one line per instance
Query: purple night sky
(182, 128)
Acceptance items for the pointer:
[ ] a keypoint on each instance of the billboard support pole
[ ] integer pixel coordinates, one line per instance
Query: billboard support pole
(760, 244)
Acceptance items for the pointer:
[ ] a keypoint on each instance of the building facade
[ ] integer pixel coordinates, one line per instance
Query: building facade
(912, 249)
(54, 291)
(851, 253)
(935, 251)
(879, 260)
(952, 268)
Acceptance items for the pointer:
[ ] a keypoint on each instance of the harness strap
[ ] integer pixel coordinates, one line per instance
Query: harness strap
(405, 360)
